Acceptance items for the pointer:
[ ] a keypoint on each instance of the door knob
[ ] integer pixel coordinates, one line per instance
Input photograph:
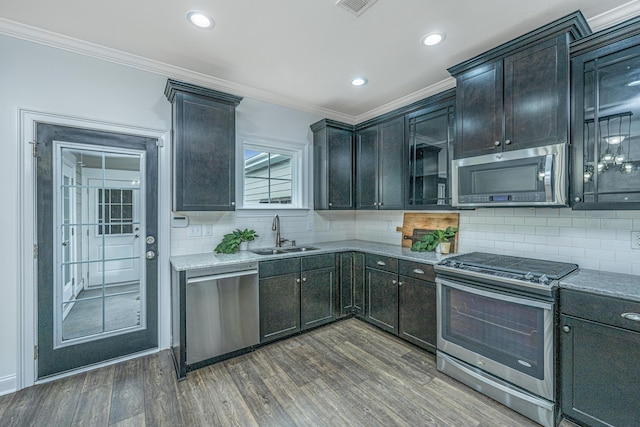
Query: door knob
(150, 240)
(151, 254)
(497, 143)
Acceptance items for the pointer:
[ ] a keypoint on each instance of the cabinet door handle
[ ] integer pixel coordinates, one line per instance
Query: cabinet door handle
(380, 204)
(400, 283)
(233, 203)
(304, 279)
(375, 203)
(330, 204)
(394, 282)
(418, 271)
(381, 263)
(508, 142)
(631, 316)
(497, 143)
(566, 328)
(577, 199)
(297, 280)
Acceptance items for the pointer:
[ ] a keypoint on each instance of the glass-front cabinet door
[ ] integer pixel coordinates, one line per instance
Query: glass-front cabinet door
(430, 137)
(606, 134)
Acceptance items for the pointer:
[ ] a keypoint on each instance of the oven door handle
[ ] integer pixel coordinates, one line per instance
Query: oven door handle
(494, 294)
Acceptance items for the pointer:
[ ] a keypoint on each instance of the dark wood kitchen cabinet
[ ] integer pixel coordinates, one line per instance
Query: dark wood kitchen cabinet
(380, 165)
(516, 95)
(333, 165)
(352, 284)
(279, 293)
(381, 306)
(605, 151)
(203, 126)
(417, 304)
(318, 296)
(600, 359)
(429, 151)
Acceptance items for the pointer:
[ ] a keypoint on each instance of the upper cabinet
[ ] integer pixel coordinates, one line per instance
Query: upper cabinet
(203, 122)
(429, 139)
(516, 95)
(333, 157)
(380, 165)
(606, 129)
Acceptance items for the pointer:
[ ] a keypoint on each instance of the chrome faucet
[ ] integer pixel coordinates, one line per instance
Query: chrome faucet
(275, 226)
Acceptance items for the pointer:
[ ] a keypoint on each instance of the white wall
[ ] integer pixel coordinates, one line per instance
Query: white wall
(50, 80)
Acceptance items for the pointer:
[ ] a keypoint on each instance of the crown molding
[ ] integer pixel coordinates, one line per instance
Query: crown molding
(70, 44)
(614, 16)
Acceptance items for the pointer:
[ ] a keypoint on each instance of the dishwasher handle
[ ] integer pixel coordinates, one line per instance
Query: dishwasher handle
(220, 276)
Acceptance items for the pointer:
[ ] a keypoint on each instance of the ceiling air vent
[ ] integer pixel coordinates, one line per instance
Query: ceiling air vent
(357, 7)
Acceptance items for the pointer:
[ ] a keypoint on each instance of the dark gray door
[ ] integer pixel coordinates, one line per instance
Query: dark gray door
(97, 245)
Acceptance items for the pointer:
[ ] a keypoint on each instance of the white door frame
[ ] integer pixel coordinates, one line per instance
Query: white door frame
(27, 298)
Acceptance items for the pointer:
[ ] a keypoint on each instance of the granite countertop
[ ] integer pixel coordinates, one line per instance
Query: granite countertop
(598, 282)
(212, 260)
(617, 285)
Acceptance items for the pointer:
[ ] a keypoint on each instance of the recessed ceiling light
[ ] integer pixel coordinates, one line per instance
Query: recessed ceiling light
(359, 81)
(200, 20)
(432, 39)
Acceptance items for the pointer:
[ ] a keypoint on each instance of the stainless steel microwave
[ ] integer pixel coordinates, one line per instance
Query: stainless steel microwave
(528, 177)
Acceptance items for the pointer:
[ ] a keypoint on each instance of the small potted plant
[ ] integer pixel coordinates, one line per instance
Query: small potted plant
(435, 240)
(237, 239)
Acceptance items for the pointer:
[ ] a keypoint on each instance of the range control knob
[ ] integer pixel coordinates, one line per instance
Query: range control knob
(528, 276)
(453, 263)
(544, 279)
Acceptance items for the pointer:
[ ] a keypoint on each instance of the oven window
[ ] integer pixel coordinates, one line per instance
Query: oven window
(504, 331)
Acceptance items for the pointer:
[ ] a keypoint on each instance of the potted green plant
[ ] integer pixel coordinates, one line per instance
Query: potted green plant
(435, 239)
(235, 240)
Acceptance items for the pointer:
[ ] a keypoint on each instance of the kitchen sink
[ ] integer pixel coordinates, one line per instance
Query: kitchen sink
(298, 249)
(287, 250)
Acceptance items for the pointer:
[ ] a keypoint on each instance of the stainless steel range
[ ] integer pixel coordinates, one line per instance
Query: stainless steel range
(496, 328)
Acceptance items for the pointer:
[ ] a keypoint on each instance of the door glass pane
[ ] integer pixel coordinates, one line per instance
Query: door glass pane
(101, 281)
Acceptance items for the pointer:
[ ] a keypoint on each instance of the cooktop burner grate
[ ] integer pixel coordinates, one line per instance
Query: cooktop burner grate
(552, 269)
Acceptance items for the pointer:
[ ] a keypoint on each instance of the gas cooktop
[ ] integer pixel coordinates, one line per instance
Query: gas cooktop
(535, 274)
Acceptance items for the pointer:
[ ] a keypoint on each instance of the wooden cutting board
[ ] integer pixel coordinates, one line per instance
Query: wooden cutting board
(425, 222)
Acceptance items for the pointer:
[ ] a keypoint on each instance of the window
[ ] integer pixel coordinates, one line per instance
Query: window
(272, 174)
(117, 207)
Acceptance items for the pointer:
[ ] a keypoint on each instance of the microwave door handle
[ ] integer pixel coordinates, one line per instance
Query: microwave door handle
(548, 166)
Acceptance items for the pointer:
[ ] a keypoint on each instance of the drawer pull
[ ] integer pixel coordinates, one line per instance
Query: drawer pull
(631, 316)
(381, 263)
(418, 271)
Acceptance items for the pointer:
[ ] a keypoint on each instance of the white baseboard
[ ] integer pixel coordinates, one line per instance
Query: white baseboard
(8, 384)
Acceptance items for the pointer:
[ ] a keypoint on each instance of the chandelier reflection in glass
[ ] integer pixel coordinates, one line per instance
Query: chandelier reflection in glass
(615, 131)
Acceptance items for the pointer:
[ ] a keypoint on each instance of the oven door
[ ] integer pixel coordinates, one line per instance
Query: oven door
(508, 336)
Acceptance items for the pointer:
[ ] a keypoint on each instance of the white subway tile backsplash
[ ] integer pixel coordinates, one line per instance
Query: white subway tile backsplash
(597, 240)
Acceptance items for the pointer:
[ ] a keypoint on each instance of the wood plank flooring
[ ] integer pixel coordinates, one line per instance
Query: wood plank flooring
(345, 374)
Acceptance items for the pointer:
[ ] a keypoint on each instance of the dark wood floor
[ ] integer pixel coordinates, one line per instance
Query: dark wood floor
(344, 374)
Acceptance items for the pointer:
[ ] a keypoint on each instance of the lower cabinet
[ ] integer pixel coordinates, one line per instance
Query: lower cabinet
(600, 349)
(317, 290)
(279, 294)
(417, 304)
(352, 284)
(381, 307)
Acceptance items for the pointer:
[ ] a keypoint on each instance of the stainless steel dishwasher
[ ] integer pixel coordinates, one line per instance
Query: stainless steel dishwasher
(222, 311)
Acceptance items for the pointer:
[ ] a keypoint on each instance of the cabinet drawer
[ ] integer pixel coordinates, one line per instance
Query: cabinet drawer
(381, 262)
(600, 308)
(278, 267)
(416, 270)
(315, 262)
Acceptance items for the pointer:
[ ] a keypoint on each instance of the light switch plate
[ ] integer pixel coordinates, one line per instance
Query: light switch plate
(635, 240)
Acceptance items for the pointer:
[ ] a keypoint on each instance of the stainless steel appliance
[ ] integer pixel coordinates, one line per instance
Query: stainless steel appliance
(496, 328)
(222, 311)
(528, 177)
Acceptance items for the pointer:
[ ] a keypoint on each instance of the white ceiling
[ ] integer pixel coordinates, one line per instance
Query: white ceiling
(297, 53)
